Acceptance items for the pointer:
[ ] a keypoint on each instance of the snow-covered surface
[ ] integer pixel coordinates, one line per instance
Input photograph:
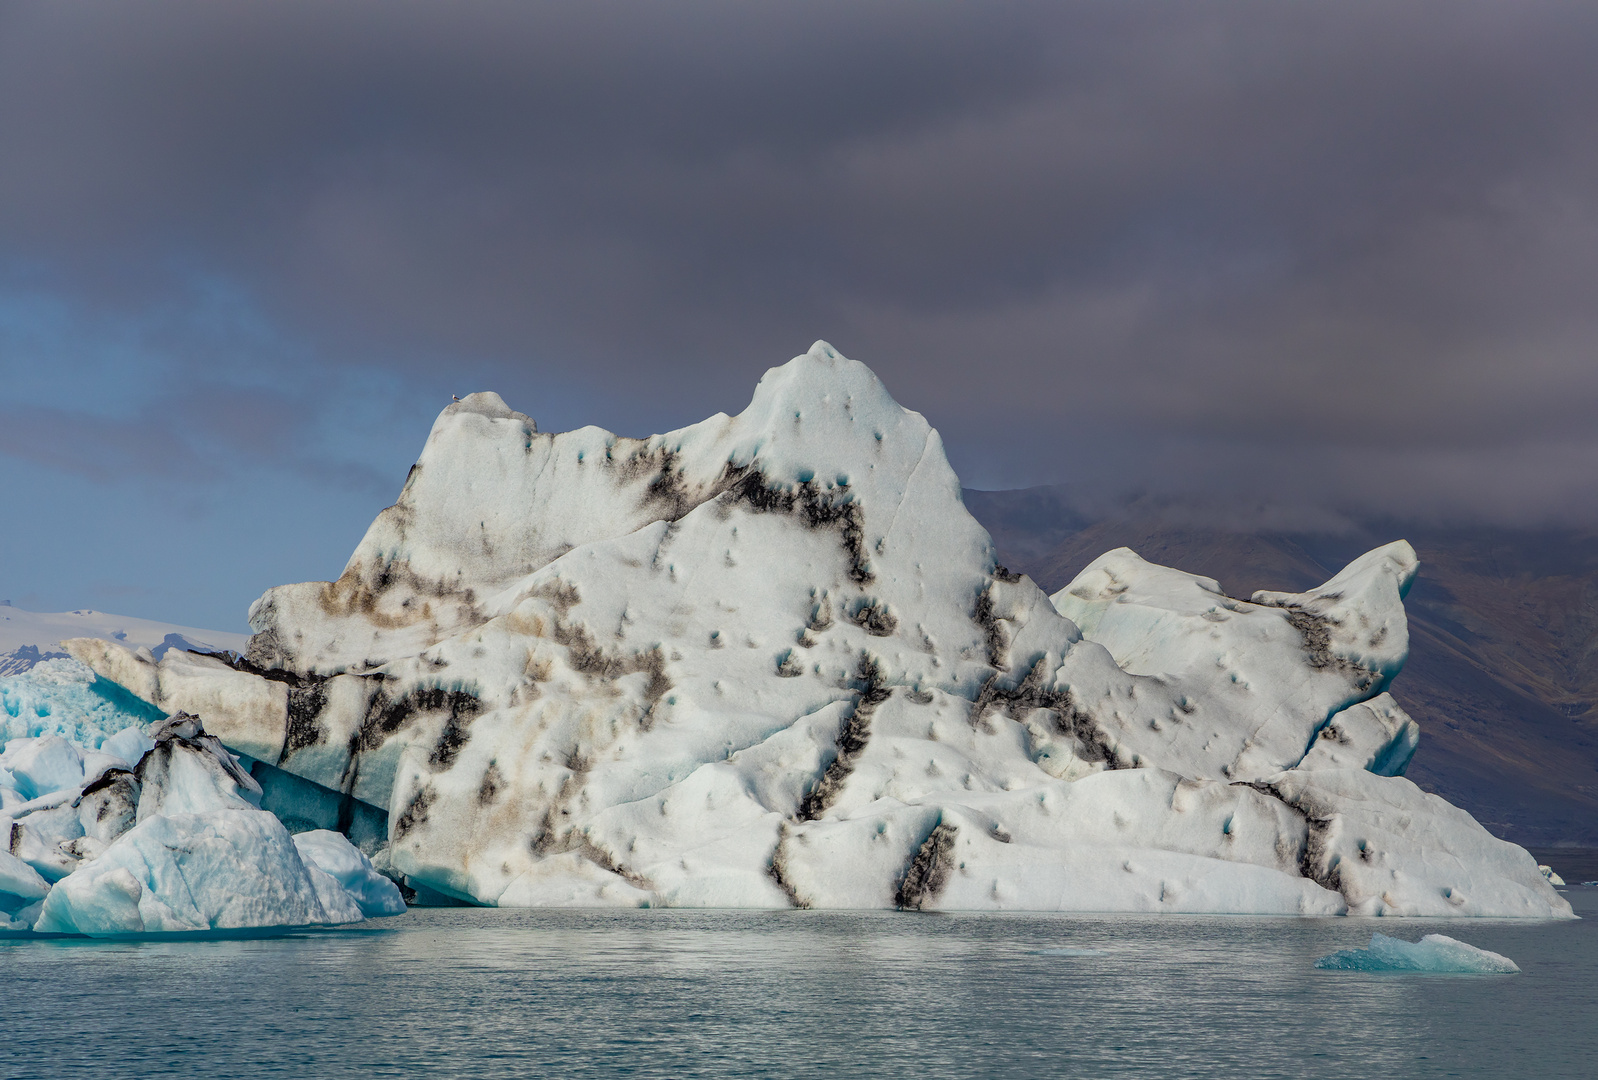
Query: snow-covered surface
(770, 659)
(1434, 954)
(159, 831)
(28, 637)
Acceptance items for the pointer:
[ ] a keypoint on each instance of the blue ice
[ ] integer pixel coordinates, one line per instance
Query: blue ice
(1434, 954)
(63, 697)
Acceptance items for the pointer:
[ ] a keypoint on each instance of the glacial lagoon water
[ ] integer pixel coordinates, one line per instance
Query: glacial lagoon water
(483, 994)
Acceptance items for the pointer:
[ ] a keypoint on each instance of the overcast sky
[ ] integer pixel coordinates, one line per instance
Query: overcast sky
(1340, 257)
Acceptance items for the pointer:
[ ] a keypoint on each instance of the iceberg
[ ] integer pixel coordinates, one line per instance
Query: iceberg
(333, 854)
(159, 831)
(61, 697)
(226, 869)
(1434, 954)
(770, 660)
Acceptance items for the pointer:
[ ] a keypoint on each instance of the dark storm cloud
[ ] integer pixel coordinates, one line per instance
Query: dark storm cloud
(1339, 251)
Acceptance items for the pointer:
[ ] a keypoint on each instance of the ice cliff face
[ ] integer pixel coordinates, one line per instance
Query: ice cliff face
(769, 660)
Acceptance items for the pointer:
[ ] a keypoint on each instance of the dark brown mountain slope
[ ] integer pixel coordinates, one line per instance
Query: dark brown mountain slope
(1503, 669)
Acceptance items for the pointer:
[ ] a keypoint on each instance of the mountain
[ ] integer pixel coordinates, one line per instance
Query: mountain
(27, 637)
(1503, 667)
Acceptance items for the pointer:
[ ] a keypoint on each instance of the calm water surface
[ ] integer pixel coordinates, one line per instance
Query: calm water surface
(482, 993)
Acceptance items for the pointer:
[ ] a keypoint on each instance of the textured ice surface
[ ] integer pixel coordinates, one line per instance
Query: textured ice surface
(1434, 954)
(1282, 657)
(770, 660)
(225, 869)
(62, 697)
(333, 854)
(170, 842)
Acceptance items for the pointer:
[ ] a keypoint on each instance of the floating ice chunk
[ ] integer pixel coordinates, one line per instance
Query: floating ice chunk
(130, 744)
(331, 853)
(1434, 954)
(770, 660)
(20, 886)
(43, 765)
(228, 869)
(1548, 872)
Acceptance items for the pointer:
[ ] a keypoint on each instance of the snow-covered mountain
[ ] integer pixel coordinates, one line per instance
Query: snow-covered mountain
(27, 637)
(770, 660)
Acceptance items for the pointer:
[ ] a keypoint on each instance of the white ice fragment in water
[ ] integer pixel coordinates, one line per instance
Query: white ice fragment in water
(130, 744)
(228, 869)
(1548, 873)
(1434, 954)
(43, 765)
(331, 853)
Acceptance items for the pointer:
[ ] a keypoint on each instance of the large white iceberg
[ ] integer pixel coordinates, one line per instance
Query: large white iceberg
(228, 869)
(770, 660)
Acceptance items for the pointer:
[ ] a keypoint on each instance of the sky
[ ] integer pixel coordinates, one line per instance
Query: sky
(1329, 258)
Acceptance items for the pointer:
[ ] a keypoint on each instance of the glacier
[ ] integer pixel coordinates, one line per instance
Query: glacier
(1434, 954)
(770, 660)
(28, 638)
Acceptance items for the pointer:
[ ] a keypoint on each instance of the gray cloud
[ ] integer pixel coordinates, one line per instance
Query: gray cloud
(1311, 252)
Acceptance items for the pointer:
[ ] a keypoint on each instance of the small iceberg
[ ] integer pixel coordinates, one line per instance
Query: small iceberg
(1434, 954)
